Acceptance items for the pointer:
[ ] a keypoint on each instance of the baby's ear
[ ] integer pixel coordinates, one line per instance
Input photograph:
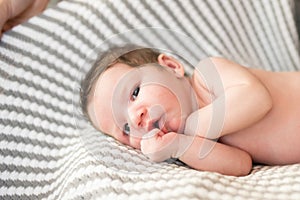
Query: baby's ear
(171, 63)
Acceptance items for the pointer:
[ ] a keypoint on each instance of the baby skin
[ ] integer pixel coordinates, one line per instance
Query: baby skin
(218, 120)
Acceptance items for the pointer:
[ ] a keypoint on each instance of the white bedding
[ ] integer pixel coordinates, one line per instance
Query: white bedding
(48, 151)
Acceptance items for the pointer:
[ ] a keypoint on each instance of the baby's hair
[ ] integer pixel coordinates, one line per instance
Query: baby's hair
(131, 55)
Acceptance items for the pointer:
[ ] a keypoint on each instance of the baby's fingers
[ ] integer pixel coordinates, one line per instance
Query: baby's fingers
(152, 133)
(149, 142)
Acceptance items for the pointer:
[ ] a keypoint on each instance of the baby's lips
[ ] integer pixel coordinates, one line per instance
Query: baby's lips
(151, 133)
(163, 127)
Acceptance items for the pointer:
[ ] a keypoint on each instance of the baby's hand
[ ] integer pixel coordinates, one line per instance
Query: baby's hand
(14, 12)
(158, 146)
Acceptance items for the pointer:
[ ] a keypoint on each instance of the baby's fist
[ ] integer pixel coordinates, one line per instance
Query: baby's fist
(158, 146)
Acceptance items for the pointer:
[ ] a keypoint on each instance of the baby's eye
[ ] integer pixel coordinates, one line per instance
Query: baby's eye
(135, 93)
(126, 129)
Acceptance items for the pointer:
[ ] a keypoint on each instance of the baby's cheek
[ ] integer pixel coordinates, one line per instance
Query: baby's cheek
(135, 142)
(175, 125)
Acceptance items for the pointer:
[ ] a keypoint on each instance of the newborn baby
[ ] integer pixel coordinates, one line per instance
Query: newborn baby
(220, 119)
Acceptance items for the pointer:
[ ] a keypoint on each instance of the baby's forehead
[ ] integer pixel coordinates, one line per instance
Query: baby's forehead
(115, 71)
(108, 80)
(102, 93)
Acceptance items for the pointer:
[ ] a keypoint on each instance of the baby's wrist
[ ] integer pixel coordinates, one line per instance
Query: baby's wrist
(183, 142)
(189, 128)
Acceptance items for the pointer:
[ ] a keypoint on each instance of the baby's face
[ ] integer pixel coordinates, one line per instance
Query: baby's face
(129, 102)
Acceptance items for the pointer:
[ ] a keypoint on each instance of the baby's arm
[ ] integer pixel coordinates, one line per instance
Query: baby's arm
(242, 100)
(198, 153)
(14, 12)
(221, 158)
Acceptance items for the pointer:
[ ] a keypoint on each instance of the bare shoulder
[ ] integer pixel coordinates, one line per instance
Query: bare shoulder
(222, 70)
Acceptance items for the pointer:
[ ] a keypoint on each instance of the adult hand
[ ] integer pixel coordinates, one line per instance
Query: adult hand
(158, 146)
(14, 12)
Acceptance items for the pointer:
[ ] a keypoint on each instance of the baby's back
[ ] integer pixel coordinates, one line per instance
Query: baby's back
(275, 139)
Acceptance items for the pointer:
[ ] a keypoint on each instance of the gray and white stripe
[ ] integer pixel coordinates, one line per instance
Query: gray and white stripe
(48, 151)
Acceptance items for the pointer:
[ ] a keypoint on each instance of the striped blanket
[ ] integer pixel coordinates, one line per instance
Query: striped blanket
(48, 151)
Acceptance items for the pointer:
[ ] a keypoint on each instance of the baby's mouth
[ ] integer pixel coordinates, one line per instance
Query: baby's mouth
(156, 124)
(160, 124)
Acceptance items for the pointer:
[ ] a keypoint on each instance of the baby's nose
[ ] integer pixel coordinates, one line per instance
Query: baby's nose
(137, 117)
(145, 118)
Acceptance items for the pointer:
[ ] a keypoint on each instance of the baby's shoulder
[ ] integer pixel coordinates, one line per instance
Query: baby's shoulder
(201, 89)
